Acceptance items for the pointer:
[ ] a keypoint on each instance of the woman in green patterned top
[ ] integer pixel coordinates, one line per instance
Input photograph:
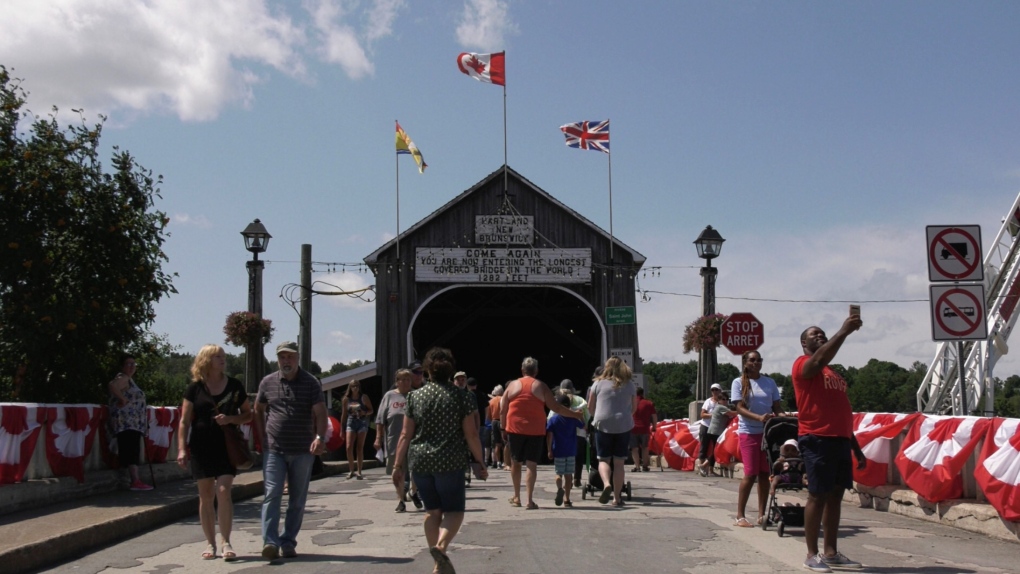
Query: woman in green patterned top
(439, 432)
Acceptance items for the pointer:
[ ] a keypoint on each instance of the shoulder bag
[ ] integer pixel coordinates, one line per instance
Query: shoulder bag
(238, 451)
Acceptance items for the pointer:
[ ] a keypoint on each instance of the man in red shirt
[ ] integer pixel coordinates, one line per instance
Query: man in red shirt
(825, 422)
(644, 420)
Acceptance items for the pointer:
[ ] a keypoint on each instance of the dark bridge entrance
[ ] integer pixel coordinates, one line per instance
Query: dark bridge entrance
(501, 272)
(490, 329)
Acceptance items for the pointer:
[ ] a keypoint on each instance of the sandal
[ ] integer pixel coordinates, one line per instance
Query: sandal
(443, 564)
(514, 501)
(532, 505)
(227, 552)
(567, 504)
(743, 523)
(210, 552)
(761, 519)
(607, 493)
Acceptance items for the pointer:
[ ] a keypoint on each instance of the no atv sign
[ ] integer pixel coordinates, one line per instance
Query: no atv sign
(742, 332)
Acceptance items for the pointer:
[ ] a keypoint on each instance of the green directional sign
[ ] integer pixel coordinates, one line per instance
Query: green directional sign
(620, 316)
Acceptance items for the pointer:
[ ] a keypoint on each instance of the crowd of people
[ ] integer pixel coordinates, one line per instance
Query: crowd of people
(435, 431)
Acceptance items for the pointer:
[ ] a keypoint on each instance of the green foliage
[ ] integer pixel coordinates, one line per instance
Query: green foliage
(881, 386)
(670, 387)
(1007, 397)
(80, 260)
(341, 367)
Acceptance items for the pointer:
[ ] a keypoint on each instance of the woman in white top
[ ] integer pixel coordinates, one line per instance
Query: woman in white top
(757, 400)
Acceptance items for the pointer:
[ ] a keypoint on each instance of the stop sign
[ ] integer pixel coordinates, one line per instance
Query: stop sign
(742, 332)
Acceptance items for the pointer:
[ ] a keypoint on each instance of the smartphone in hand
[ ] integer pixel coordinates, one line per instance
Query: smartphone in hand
(855, 310)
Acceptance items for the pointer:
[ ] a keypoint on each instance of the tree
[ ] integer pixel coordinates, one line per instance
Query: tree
(80, 260)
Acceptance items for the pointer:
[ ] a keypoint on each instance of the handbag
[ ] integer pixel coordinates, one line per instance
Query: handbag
(238, 451)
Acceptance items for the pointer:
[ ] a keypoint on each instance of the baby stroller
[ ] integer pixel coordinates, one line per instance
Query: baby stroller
(777, 431)
(593, 485)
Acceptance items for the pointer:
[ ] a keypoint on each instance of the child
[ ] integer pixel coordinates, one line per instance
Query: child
(789, 467)
(561, 441)
(722, 414)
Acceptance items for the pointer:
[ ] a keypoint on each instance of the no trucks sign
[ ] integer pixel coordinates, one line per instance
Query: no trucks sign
(742, 332)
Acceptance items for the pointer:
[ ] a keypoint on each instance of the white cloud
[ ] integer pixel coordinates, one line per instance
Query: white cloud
(191, 58)
(345, 282)
(185, 219)
(484, 25)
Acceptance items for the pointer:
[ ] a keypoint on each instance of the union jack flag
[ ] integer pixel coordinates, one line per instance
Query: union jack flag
(593, 135)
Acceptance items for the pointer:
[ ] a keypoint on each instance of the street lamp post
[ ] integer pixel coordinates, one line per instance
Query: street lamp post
(256, 240)
(709, 245)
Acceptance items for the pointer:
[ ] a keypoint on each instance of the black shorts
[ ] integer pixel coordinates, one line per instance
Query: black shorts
(497, 434)
(827, 462)
(526, 448)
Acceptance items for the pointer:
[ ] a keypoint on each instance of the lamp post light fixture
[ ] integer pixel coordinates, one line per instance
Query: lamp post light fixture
(256, 240)
(709, 245)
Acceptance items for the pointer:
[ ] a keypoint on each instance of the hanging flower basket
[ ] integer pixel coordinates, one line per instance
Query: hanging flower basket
(703, 333)
(243, 328)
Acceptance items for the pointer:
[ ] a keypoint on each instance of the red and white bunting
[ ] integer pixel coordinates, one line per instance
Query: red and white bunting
(934, 452)
(335, 439)
(998, 469)
(875, 432)
(70, 430)
(19, 430)
(163, 423)
(682, 447)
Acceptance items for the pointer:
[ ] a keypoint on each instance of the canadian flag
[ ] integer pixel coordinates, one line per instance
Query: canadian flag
(488, 68)
(727, 446)
(934, 452)
(874, 432)
(998, 469)
(70, 430)
(163, 423)
(682, 447)
(19, 430)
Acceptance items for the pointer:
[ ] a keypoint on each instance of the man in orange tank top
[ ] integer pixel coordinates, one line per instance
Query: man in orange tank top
(522, 422)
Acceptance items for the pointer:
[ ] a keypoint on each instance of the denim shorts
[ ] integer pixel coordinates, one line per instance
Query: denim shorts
(441, 490)
(611, 445)
(357, 425)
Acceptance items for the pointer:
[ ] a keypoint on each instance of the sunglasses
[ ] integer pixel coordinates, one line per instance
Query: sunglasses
(758, 360)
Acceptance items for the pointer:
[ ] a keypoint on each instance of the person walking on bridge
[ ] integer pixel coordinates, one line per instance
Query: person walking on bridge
(522, 420)
(825, 426)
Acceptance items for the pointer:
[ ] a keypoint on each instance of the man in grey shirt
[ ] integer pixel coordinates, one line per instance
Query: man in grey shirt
(291, 417)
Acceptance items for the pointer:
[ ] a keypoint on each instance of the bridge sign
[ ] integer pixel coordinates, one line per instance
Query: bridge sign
(742, 332)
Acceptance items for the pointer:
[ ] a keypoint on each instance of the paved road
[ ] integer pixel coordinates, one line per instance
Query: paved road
(676, 522)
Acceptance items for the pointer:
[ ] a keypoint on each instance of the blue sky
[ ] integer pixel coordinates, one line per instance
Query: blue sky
(818, 138)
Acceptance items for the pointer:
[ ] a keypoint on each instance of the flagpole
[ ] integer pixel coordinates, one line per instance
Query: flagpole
(396, 170)
(504, 146)
(611, 240)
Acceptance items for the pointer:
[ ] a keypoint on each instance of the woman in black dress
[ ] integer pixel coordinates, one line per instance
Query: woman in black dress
(211, 401)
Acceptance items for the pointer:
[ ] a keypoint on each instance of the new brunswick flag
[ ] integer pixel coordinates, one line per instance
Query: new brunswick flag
(405, 145)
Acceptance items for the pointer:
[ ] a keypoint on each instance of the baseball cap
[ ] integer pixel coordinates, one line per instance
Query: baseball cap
(414, 366)
(471, 382)
(716, 386)
(286, 347)
(567, 385)
(460, 374)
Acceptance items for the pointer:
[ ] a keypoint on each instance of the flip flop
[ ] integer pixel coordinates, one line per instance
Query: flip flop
(532, 506)
(559, 497)
(443, 564)
(743, 523)
(607, 493)
(515, 502)
(567, 504)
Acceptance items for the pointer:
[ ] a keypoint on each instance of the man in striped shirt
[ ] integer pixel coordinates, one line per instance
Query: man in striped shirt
(291, 416)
